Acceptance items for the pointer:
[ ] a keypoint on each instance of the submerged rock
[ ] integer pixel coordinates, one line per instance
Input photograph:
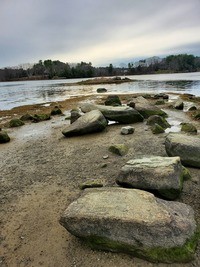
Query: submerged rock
(187, 147)
(93, 121)
(135, 222)
(122, 114)
(163, 175)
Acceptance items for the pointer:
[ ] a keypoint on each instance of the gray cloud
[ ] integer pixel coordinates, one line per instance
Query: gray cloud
(98, 31)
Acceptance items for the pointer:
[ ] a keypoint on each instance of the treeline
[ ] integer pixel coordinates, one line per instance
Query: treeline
(49, 69)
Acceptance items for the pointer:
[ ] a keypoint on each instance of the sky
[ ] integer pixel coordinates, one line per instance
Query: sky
(97, 31)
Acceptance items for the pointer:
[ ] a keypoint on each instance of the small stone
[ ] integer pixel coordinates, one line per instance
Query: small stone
(56, 111)
(104, 165)
(101, 90)
(92, 184)
(105, 157)
(127, 130)
(192, 108)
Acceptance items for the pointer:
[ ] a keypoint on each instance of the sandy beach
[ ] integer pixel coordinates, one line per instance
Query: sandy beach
(40, 173)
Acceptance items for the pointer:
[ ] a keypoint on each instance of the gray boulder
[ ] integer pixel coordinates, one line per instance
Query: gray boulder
(133, 221)
(187, 147)
(162, 175)
(90, 122)
(121, 114)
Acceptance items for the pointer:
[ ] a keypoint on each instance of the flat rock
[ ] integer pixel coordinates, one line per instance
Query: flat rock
(163, 175)
(93, 121)
(121, 114)
(133, 221)
(187, 147)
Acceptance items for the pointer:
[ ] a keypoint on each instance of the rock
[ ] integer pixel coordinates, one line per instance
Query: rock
(75, 114)
(157, 129)
(56, 111)
(26, 117)
(179, 104)
(163, 175)
(113, 100)
(192, 108)
(91, 122)
(122, 114)
(197, 115)
(4, 137)
(101, 90)
(146, 109)
(187, 147)
(188, 128)
(152, 120)
(161, 95)
(160, 102)
(135, 222)
(92, 184)
(119, 149)
(40, 117)
(16, 123)
(105, 157)
(186, 174)
(127, 130)
(131, 104)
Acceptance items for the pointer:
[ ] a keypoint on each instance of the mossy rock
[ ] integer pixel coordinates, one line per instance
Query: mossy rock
(160, 102)
(152, 120)
(26, 117)
(91, 184)
(4, 137)
(119, 149)
(181, 254)
(113, 100)
(147, 113)
(16, 123)
(196, 115)
(56, 111)
(192, 108)
(186, 174)
(157, 129)
(188, 128)
(40, 117)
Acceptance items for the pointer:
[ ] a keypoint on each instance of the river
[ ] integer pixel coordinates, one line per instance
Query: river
(13, 94)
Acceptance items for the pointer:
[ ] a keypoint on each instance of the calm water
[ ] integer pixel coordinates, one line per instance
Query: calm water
(13, 94)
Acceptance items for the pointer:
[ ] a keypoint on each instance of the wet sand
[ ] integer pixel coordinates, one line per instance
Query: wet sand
(40, 174)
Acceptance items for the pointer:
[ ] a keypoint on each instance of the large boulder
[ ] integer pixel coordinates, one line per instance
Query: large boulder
(146, 109)
(133, 221)
(121, 114)
(93, 121)
(163, 175)
(187, 147)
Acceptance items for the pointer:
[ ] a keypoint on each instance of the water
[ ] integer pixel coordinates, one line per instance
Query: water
(13, 94)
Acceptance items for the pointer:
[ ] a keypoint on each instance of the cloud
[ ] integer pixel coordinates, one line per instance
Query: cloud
(98, 31)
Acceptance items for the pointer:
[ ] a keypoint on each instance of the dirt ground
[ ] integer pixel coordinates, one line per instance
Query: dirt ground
(40, 172)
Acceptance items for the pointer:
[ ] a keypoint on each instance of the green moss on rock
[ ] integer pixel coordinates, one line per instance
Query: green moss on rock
(16, 123)
(147, 113)
(186, 174)
(41, 117)
(189, 128)
(181, 254)
(157, 129)
(4, 138)
(119, 149)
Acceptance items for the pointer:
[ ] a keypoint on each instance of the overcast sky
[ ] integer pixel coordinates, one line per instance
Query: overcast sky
(99, 31)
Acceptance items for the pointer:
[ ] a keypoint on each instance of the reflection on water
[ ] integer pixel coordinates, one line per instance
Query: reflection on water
(14, 94)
